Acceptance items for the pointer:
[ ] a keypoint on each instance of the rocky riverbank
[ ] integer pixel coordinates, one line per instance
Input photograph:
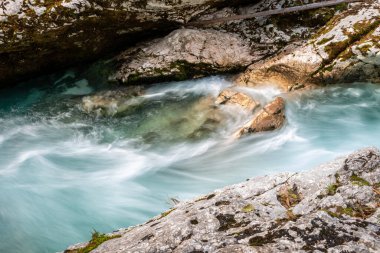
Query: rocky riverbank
(332, 208)
(40, 36)
(293, 51)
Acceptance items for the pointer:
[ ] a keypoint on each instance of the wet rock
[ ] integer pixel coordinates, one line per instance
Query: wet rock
(184, 54)
(112, 102)
(343, 50)
(36, 36)
(270, 118)
(311, 220)
(232, 97)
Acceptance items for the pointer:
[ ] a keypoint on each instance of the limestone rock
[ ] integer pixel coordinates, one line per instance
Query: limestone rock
(232, 97)
(222, 47)
(271, 117)
(332, 208)
(344, 50)
(36, 36)
(183, 54)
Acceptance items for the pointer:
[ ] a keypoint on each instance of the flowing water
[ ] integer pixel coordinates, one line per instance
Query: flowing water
(64, 173)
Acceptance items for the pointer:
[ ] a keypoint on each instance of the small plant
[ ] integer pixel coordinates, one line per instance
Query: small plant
(96, 239)
(166, 213)
(331, 189)
(359, 181)
(289, 197)
(357, 211)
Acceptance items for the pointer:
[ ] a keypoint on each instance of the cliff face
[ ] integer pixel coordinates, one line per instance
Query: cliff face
(333, 208)
(221, 47)
(323, 46)
(346, 49)
(39, 35)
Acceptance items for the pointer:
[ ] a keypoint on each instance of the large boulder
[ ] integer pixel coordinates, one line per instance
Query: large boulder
(270, 118)
(346, 49)
(333, 208)
(184, 54)
(221, 47)
(37, 36)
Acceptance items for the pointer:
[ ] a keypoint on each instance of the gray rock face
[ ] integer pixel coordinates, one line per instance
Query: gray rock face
(224, 47)
(39, 35)
(333, 208)
(184, 54)
(346, 49)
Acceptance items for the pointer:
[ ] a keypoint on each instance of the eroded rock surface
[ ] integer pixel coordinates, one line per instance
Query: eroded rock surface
(233, 97)
(333, 208)
(346, 49)
(36, 36)
(184, 54)
(223, 47)
(270, 118)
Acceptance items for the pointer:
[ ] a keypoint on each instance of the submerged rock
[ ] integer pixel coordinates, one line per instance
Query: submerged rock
(346, 49)
(333, 208)
(184, 54)
(112, 102)
(270, 118)
(204, 118)
(232, 97)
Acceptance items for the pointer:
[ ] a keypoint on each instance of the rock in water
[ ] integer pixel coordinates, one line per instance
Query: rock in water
(271, 117)
(183, 54)
(232, 97)
(333, 208)
(112, 102)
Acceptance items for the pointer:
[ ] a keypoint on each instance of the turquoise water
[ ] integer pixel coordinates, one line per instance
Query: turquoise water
(64, 173)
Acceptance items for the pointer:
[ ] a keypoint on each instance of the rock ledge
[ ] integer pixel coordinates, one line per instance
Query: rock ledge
(333, 208)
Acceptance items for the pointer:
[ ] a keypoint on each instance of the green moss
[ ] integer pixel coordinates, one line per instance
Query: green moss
(259, 241)
(333, 49)
(327, 27)
(328, 68)
(359, 181)
(364, 49)
(347, 211)
(341, 7)
(248, 208)
(207, 197)
(164, 214)
(332, 214)
(331, 189)
(325, 40)
(96, 239)
(357, 211)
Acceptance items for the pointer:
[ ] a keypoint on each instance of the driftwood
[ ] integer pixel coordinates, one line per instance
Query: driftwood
(271, 12)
